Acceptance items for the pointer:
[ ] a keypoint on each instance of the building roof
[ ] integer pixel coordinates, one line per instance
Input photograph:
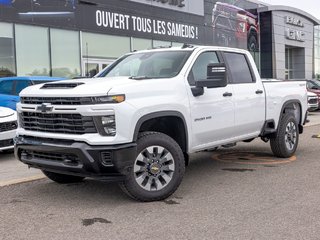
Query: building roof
(300, 12)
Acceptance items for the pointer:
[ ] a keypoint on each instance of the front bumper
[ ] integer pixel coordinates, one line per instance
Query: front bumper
(109, 163)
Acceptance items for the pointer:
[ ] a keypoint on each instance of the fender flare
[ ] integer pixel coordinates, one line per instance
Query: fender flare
(301, 112)
(156, 115)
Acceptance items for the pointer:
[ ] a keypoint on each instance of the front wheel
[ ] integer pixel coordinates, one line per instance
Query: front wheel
(286, 141)
(62, 178)
(157, 170)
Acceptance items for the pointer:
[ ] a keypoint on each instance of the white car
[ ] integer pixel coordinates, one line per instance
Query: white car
(8, 126)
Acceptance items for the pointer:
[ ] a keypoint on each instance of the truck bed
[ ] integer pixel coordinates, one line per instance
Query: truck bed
(279, 92)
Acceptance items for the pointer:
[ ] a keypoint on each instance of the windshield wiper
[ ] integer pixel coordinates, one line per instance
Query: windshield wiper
(139, 77)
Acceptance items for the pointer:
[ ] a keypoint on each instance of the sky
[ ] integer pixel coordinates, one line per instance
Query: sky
(309, 6)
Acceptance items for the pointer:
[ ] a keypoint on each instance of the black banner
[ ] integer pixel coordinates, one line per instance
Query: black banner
(223, 24)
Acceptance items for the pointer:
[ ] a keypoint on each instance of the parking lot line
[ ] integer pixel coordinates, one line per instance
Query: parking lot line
(21, 180)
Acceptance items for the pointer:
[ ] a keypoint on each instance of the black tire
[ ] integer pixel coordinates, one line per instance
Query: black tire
(253, 43)
(285, 143)
(153, 140)
(62, 178)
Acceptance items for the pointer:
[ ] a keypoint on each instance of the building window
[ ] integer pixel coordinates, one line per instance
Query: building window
(32, 50)
(157, 43)
(7, 61)
(104, 46)
(65, 53)
(176, 44)
(141, 44)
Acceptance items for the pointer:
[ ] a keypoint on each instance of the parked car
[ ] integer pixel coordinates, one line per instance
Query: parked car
(314, 86)
(10, 87)
(8, 126)
(313, 102)
(139, 119)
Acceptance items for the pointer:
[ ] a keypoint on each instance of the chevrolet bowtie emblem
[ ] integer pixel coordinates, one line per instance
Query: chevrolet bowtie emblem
(45, 107)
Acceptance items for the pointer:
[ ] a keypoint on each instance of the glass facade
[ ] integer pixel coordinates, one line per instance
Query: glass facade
(7, 60)
(317, 52)
(65, 53)
(27, 50)
(140, 44)
(102, 46)
(32, 50)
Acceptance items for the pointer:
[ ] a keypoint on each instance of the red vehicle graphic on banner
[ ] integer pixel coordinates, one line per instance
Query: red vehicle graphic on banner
(235, 27)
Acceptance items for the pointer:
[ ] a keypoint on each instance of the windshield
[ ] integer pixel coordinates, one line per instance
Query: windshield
(159, 64)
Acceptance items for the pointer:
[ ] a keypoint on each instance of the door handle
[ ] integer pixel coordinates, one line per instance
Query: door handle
(227, 94)
(259, 92)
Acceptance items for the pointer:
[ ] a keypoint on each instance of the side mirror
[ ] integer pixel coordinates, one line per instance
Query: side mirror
(216, 76)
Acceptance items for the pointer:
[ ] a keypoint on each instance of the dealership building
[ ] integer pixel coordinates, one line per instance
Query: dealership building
(70, 38)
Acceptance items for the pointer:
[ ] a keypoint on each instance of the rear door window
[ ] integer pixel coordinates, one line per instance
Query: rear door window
(239, 68)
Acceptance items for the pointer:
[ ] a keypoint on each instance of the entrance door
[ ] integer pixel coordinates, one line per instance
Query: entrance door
(295, 63)
(289, 68)
(92, 66)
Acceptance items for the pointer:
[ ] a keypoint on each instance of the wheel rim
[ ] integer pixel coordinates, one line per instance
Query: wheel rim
(154, 168)
(291, 135)
(252, 46)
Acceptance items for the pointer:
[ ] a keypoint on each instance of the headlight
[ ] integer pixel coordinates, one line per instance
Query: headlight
(107, 125)
(110, 99)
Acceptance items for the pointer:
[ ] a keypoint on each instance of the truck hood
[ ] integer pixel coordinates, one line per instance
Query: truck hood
(6, 112)
(77, 87)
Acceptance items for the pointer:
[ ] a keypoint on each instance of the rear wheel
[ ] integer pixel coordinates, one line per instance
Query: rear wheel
(286, 141)
(158, 169)
(253, 43)
(62, 178)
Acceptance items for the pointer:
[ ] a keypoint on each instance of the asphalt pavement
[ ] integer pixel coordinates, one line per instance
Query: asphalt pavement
(14, 172)
(237, 193)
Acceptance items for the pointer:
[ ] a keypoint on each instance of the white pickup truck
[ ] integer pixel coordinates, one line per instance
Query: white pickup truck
(138, 120)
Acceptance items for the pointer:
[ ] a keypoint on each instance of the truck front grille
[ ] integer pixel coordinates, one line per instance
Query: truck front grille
(56, 100)
(8, 126)
(313, 100)
(57, 123)
(61, 100)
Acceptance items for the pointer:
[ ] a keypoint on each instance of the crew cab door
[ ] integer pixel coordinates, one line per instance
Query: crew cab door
(248, 97)
(212, 113)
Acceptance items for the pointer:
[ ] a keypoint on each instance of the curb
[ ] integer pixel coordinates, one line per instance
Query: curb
(21, 180)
